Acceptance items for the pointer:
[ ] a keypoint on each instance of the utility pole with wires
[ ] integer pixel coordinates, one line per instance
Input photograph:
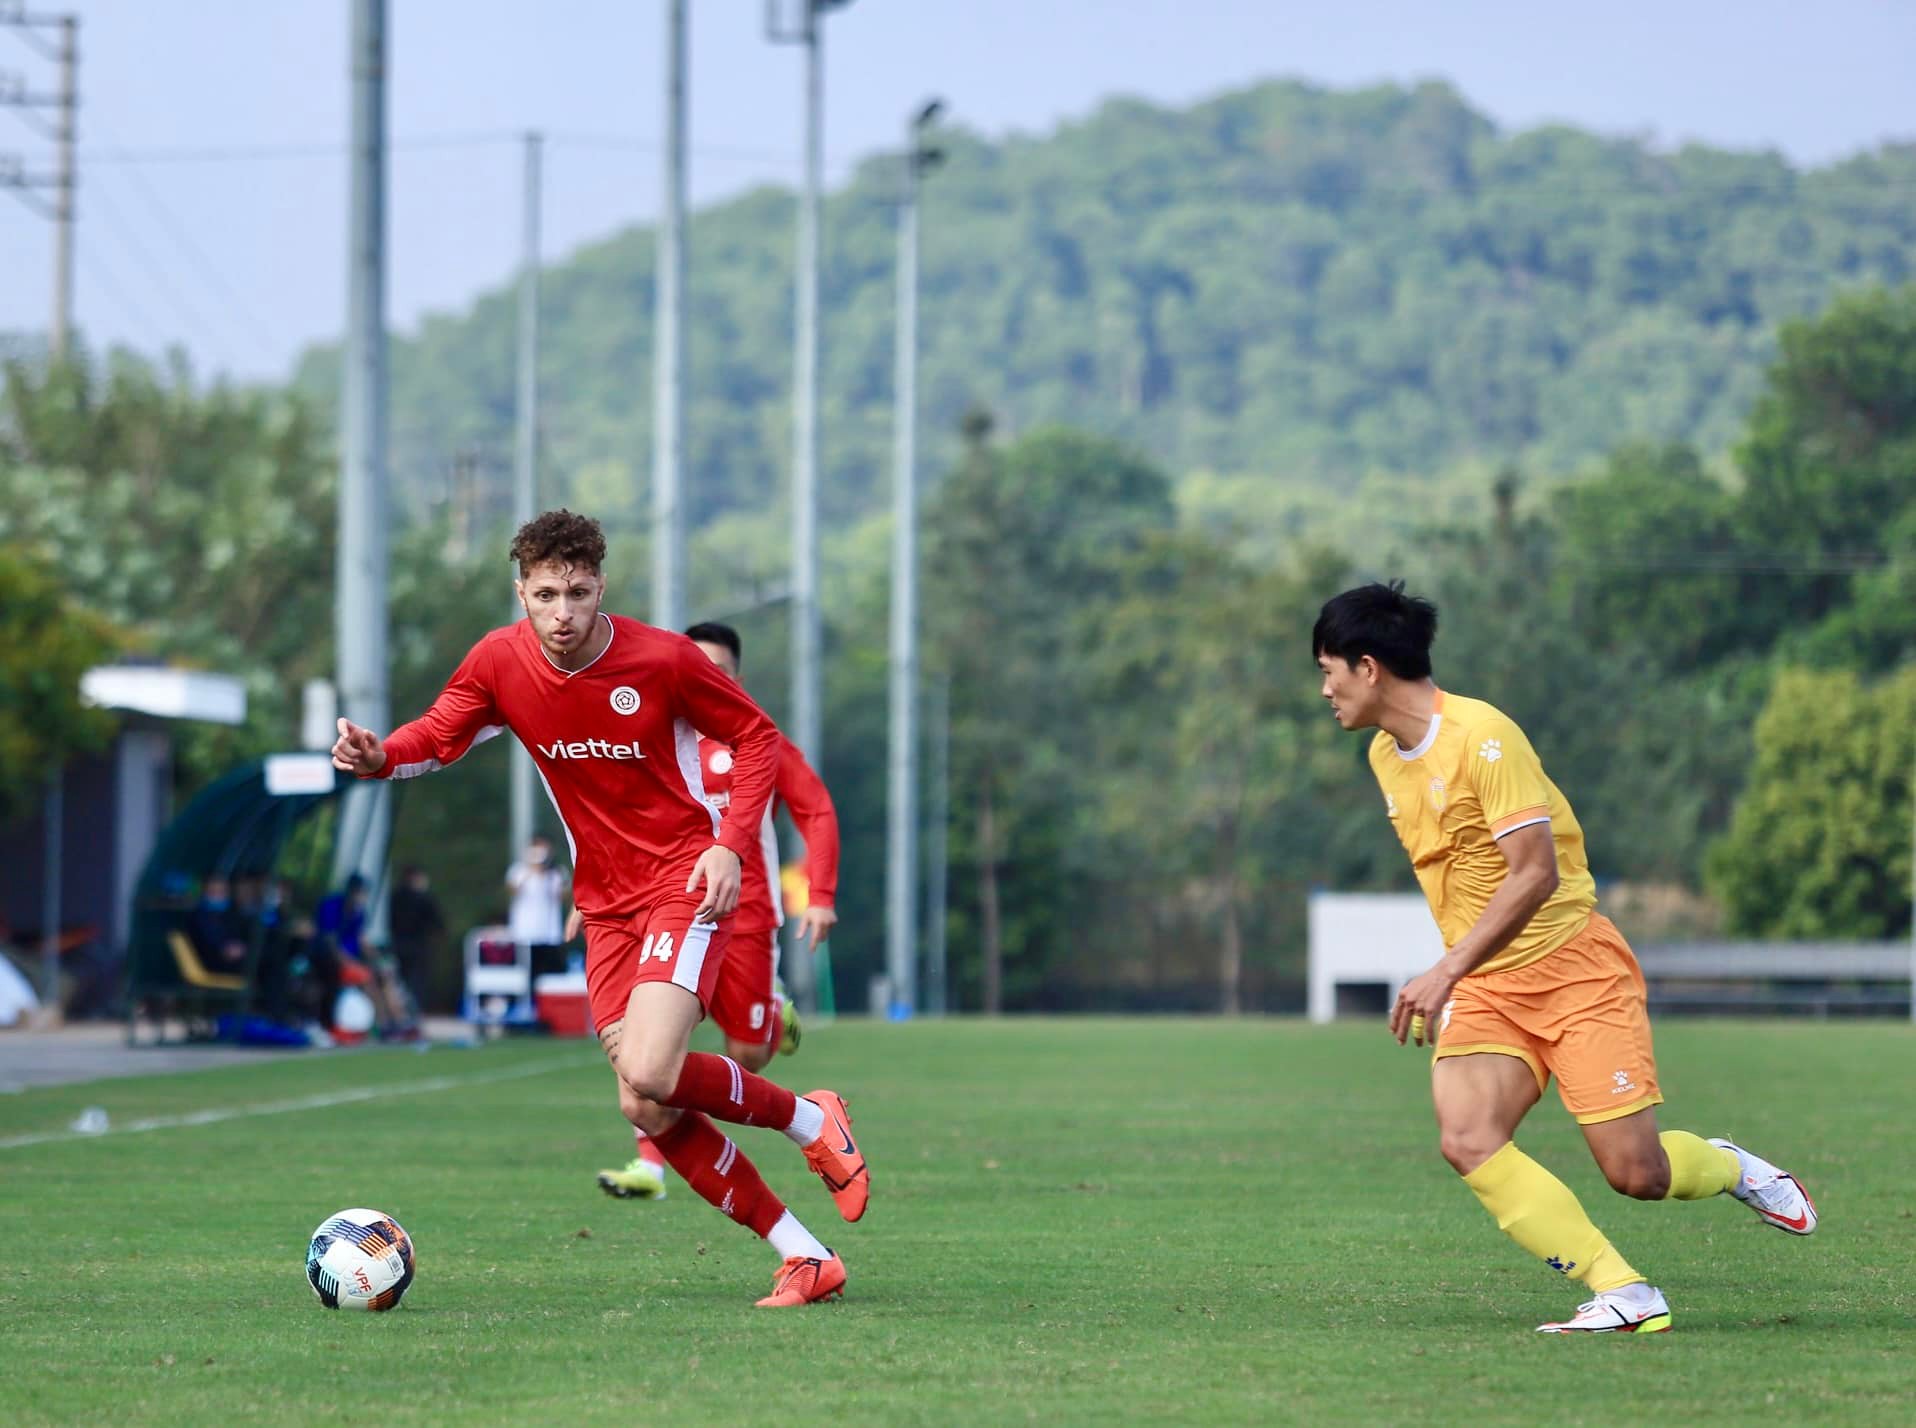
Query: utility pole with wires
(17, 93)
(807, 723)
(62, 127)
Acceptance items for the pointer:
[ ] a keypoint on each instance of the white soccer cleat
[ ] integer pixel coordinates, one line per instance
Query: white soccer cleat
(1633, 1309)
(1775, 1194)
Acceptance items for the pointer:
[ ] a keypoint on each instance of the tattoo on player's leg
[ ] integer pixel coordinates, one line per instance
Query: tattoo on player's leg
(609, 1037)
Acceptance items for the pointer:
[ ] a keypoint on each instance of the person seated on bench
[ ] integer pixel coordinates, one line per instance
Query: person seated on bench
(340, 924)
(218, 929)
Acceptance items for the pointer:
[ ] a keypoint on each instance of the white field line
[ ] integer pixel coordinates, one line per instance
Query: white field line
(300, 1103)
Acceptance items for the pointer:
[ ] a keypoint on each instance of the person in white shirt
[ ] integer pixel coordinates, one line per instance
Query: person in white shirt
(537, 913)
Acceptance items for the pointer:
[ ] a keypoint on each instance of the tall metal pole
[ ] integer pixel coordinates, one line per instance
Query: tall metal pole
(525, 450)
(360, 596)
(668, 347)
(901, 843)
(807, 626)
(64, 135)
(937, 983)
(806, 725)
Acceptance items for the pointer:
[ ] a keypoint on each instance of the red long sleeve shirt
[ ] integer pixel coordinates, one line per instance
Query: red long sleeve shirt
(615, 743)
(803, 792)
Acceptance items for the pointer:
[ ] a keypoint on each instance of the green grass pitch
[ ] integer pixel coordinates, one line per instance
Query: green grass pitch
(1072, 1221)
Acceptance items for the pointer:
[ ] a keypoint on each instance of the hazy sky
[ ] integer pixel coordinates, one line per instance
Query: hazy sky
(189, 234)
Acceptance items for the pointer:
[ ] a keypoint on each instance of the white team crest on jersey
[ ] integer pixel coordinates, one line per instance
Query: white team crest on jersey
(721, 761)
(1437, 794)
(1390, 805)
(625, 700)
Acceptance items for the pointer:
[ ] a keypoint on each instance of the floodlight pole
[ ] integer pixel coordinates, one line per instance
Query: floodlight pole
(525, 451)
(668, 346)
(360, 592)
(807, 626)
(901, 852)
(937, 982)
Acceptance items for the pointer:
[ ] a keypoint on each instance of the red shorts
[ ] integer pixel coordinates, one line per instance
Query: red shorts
(745, 1006)
(659, 943)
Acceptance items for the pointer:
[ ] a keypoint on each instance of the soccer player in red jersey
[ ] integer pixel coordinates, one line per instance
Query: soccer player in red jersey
(608, 707)
(747, 1005)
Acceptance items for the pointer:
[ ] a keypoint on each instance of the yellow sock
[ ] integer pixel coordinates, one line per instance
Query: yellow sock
(1539, 1212)
(1698, 1169)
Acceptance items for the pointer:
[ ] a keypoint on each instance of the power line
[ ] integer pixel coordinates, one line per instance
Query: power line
(104, 275)
(232, 305)
(157, 278)
(309, 149)
(319, 149)
(1652, 184)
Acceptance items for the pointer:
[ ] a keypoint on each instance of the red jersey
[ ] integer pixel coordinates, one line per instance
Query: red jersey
(615, 743)
(802, 791)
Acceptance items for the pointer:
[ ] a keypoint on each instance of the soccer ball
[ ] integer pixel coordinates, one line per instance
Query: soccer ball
(359, 1259)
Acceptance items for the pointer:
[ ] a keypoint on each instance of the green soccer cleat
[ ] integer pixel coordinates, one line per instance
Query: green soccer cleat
(640, 1180)
(788, 1039)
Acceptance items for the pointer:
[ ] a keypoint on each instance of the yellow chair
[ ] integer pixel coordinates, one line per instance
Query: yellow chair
(193, 971)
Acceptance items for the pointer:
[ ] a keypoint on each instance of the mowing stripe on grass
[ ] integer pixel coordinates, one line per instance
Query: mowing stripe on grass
(300, 1103)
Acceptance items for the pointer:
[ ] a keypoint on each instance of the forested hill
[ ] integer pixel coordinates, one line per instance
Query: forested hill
(1283, 283)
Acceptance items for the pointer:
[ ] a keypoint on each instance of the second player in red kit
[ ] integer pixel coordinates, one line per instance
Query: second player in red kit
(748, 1005)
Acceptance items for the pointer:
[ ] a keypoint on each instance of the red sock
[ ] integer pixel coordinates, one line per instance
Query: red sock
(719, 1173)
(720, 1087)
(648, 1152)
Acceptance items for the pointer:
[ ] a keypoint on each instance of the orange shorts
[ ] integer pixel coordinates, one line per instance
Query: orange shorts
(1577, 1013)
(660, 943)
(745, 1005)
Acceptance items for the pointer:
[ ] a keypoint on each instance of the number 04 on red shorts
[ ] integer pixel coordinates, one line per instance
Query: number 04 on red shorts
(660, 943)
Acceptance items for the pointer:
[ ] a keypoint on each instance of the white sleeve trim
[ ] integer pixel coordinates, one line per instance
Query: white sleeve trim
(1527, 823)
(426, 766)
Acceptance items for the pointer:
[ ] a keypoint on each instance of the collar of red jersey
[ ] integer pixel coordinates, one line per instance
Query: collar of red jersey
(611, 630)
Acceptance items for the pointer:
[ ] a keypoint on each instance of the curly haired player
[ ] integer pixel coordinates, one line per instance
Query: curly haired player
(609, 708)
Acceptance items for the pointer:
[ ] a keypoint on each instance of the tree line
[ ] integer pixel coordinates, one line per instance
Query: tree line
(1716, 659)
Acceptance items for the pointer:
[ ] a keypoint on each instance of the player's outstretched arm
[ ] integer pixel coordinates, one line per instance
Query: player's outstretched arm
(358, 751)
(463, 715)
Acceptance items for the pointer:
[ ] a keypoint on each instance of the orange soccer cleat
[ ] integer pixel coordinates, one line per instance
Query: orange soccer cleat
(803, 1280)
(835, 1157)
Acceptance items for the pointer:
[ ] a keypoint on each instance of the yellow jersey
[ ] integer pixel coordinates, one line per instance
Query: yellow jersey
(1472, 779)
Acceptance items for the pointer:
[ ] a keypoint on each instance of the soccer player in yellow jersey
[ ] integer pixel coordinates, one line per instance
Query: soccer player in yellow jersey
(1536, 982)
